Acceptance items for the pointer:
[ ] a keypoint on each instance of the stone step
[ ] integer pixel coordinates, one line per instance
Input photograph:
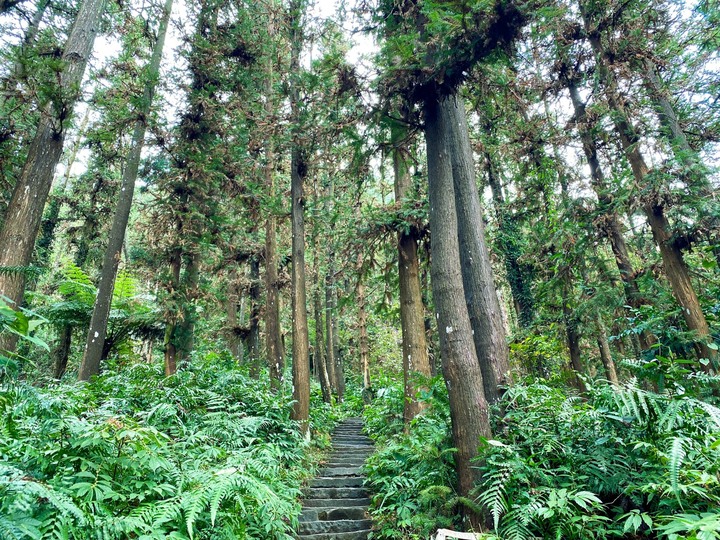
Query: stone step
(337, 481)
(331, 513)
(339, 526)
(353, 535)
(335, 493)
(340, 471)
(334, 503)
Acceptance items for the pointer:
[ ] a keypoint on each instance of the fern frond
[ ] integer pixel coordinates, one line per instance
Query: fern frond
(677, 456)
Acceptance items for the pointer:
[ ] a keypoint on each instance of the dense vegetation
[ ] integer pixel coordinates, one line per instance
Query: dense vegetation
(491, 227)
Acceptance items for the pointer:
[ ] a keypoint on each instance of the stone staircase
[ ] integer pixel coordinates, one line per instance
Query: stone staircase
(335, 504)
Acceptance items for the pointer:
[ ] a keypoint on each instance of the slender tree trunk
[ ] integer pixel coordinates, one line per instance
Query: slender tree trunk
(298, 171)
(170, 348)
(675, 268)
(605, 354)
(273, 344)
(254, 325)
(62, 351)
(185, 328)
(461, 368)
(339, 360)
(24, 213)
(320, 356)
(416, 360)
(101, 312)
(483, 305)
(329, 326)
(234, 343)
(363, 343)
(571, 331)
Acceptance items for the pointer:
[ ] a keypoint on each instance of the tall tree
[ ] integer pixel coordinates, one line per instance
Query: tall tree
(298, 172)
(95, 342)
(24, 213)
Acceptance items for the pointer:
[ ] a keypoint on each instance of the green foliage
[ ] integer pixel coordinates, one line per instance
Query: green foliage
(625, 463)
(207, 453)
(23, 324)
(412, 473)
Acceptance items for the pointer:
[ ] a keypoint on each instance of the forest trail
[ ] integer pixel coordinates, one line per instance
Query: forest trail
(335, 504)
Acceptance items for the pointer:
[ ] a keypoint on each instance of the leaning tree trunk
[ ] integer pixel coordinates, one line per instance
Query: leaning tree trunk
(298, 171)
(24, 213)
(101, 312)
(482, 301)
(461, 368)
(416, 360)
(675, 268)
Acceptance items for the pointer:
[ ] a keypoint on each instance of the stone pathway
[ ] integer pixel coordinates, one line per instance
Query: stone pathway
(335, 505)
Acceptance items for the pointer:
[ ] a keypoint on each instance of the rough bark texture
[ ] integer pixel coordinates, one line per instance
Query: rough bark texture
(416, 359)
(571, 331)
(461, 369)
(298, 171)
(480, 295)
(101, 312)
(24, 213)
(675, 268)
(605, 354)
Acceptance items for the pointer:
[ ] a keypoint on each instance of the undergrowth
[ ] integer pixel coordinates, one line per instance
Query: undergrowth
(205, 454)
(617, 463)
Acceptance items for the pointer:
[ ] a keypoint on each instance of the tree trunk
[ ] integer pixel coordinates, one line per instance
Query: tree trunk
(234, 343)
(329, 326)
(461, 368)
(170, 349)
(320, 356)
(62, 351)
(605, 354)
(416, 360)
(101, 312)
(298, 171)
(254, 325)
(363, 343)
(24, 213)
(273, 344)
(482, 301)
(339, 360)
(571, 331)
(675, 268)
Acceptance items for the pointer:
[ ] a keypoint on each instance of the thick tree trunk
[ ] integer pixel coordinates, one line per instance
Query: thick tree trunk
(480, 295)
(101, 312)
(675, 268)
(298, 171)
(461, 368)
(62, 351)
(416, 360)
(24, 213)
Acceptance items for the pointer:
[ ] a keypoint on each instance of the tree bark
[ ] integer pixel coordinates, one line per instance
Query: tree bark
(461, 368)
(416, 360)
(571, 331)
(320, 356)
(605, 354)
(298, 171)
(101, 312)
(24, 213)
(234, 343)
(482, 301)
(254, 324)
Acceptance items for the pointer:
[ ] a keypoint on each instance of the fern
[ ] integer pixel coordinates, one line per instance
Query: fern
(677, 456)
(493, 495)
